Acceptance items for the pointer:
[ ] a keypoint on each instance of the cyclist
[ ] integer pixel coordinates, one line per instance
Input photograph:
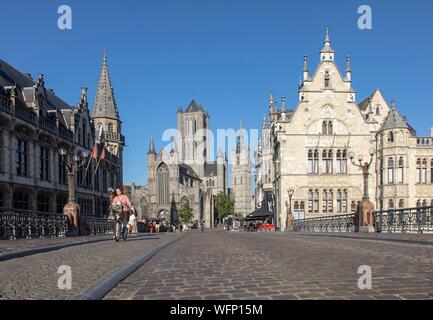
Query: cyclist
(122, 199)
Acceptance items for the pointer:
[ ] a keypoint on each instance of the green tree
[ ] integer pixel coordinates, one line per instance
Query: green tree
(186, 212)
(225, 206)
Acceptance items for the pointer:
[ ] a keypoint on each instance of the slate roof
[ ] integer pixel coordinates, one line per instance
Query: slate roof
(9, 77)
(211, 169)
(395, 120)
(105, 102)
(193, 107)
(185, 169)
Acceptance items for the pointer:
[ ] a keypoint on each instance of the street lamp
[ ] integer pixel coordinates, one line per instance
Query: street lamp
(365, 167)
(291, 192)
(73, 163)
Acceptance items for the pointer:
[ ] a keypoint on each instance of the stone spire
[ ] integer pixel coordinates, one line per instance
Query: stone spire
(348, 68)
(105, 103)
(264, 125)
(327, 53)
(283, 104)
(305, 67)
(271, 102)
(151, 148)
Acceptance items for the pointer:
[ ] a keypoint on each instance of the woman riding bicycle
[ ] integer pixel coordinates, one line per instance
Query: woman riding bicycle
(123, 200)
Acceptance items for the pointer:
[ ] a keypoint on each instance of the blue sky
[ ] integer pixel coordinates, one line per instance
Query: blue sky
(225, 54)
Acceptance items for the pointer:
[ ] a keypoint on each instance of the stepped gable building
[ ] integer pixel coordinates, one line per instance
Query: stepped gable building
(34, 124)
(310, 148)
(184, 173)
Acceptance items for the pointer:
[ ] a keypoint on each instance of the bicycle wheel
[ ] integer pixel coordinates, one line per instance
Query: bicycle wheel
(117, 231)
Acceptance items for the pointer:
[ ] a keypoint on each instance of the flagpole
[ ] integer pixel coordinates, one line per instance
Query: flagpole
(97, 166)
(87, 169)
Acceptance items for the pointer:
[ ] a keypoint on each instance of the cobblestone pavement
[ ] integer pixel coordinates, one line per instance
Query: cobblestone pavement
(36, 277)
(222, 265)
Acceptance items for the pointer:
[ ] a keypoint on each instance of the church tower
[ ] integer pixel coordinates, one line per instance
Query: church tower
(106, 116)
(241, 176)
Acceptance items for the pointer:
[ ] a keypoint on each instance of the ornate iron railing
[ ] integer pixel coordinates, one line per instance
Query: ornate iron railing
(24, 224)
(96, 226)
(341, 223)
(409, 220)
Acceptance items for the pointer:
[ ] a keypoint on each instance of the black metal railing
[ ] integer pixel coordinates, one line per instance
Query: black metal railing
(408, 220)
(96, 226)
(24, 224)
(340, 223)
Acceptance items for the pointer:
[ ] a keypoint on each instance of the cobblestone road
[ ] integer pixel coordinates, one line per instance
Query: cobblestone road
(35, 276)
(221, 265)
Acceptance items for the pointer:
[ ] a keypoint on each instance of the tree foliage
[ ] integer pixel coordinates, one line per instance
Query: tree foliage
(225, 206)
(186, 212)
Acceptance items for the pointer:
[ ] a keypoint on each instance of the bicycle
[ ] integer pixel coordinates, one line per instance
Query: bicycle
(121, 225)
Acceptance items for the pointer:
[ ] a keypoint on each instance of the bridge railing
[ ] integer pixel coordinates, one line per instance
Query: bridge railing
(93, 226)
(407, 220)
(340, 223)
(24, 224)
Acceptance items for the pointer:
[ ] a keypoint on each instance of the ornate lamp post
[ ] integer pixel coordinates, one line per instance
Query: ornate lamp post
(365, 167)
(289, 216)
(73, 163)
(365, 213)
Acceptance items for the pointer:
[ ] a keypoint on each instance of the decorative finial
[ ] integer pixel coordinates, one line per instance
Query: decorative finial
(327, 40)
(348, 67)
(305, 63)
(283, 104)
(393, 103)
(105, 57)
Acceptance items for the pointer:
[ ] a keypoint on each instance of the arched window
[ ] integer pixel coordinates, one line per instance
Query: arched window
(313, 201)
(390, 136)
(391, 204)
(424, 203)
(163, 185)
(330, 128)
(324, 127)
(401, 170)
(418, 203)
(378, 110)
(418, 171)
(424, 171)
(328, 201)
(401, 204)
(342, 161)
(110, 127)
(390, 170)
(327, 80)
(353, 207)
(327, 161)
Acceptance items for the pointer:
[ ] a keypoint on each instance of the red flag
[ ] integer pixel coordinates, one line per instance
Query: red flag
(102, 154)
(95, 152)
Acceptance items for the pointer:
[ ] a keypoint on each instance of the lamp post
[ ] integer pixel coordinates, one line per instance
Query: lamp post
(291, 192)
(72, 164)
(365, 167)
(364, 217)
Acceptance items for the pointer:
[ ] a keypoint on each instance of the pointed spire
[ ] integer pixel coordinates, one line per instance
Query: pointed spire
(327, 52)
(83, 100)
(327, 40)
(264, 125)
(283, 104)
(151, 148)
(271, 102)
(105, 103)
(305, 63)
(348, 67)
